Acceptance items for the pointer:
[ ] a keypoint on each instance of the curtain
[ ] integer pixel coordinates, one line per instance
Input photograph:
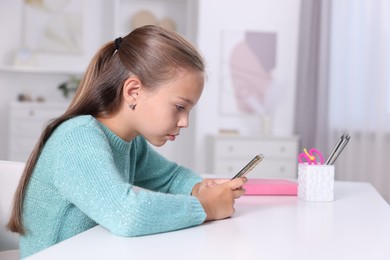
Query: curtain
(311, 110)
(359, 90)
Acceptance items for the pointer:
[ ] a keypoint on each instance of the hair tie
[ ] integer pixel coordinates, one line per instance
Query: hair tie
(118, 43)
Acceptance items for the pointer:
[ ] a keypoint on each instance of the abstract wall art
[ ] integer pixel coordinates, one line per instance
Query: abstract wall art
(248, 60)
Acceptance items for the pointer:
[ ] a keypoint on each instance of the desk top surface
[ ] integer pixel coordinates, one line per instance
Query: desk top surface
(354, 226)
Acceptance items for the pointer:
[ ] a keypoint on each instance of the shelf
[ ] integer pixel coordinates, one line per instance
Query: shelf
(40, 70)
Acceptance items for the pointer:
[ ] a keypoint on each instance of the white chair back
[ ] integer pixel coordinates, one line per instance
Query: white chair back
(10, 173)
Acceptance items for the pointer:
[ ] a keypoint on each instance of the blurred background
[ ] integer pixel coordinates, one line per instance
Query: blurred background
(281, 76)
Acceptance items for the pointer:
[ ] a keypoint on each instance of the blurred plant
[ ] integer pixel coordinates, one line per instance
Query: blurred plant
(69, 86)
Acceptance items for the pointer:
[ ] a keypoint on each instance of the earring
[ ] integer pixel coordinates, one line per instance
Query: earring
(132, 106)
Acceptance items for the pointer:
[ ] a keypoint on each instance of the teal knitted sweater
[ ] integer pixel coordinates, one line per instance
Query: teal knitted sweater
(85, 176)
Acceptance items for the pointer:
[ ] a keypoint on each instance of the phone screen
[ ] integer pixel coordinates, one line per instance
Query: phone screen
(255, 161)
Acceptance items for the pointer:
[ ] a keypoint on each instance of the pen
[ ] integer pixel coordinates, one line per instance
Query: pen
(335, 149)
(340, 149)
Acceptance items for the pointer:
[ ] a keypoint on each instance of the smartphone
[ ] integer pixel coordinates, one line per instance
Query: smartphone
(255, 161)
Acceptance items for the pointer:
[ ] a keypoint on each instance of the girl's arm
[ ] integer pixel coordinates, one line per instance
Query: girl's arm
(86, 175)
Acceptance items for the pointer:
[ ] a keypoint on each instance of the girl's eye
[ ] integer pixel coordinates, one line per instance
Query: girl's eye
(178, 107)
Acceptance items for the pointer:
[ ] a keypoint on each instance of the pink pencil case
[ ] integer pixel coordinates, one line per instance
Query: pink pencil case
(271, 187)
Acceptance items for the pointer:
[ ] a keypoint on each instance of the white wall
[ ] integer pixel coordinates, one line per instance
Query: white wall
(258, 15)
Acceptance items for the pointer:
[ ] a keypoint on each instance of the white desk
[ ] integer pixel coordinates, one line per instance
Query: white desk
(355, 226)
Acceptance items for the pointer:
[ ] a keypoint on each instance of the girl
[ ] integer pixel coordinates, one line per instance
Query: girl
(87, 162)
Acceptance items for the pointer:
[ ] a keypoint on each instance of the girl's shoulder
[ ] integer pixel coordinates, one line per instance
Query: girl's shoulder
(77, 121)
(77, 125)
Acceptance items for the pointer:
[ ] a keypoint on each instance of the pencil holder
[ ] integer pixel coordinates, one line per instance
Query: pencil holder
(315, 182)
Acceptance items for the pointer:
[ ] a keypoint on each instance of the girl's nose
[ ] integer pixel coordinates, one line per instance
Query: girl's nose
(183, 122)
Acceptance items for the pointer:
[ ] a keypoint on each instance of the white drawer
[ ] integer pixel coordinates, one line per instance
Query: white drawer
(35, 113)
(27, 121)
(20, 143)
(249, 148)
(27, 127)
(231, 153)
(20, 156)
(267, 168)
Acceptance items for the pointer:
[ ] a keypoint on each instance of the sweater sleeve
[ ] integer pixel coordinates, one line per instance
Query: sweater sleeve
(87, 177)
(154, 172)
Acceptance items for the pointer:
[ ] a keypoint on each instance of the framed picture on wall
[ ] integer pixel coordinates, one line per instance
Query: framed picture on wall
(248, 59)
(53, 26)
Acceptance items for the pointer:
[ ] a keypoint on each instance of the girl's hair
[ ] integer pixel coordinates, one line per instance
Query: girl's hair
(151, 53)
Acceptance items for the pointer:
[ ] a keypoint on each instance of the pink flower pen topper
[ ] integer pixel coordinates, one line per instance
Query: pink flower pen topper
(312, 157)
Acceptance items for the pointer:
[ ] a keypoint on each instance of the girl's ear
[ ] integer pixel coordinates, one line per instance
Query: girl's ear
(131, 90)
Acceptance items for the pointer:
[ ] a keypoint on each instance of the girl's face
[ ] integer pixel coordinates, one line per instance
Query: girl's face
(160, 114)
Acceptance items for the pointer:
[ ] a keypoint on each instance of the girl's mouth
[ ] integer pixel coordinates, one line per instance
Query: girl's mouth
(172, 137)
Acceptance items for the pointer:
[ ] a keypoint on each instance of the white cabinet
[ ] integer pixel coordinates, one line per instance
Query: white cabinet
(27, 121)
(231, 153)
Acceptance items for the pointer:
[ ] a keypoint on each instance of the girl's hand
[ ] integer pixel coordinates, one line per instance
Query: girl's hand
(217, 196)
